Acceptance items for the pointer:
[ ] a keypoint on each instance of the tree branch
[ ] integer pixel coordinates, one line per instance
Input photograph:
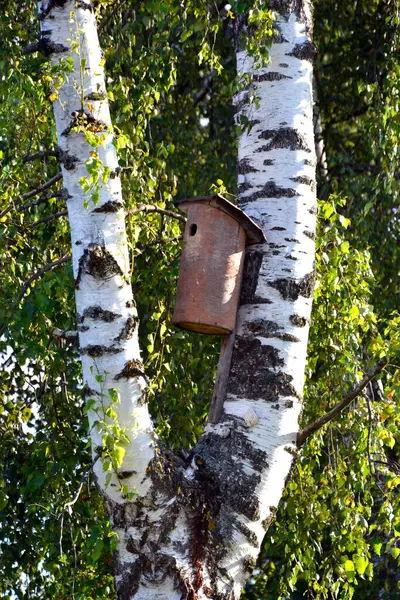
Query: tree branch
(159, 241)
(32, 278)
(41, 272)
(41, 154)
(153, 208)
(313, 427)
(60, 213)
(16, 203)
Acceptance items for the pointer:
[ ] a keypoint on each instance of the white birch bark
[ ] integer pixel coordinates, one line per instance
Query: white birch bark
(195, 530)
(106, 314)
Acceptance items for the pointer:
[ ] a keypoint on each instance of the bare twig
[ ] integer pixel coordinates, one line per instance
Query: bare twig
(17, 202)
(313, 427)
(153, 208)
(41, 272)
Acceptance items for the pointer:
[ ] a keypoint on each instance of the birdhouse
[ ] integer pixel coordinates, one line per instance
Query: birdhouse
(215, 238)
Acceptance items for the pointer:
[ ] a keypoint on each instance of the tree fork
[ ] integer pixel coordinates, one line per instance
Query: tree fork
(196, 526)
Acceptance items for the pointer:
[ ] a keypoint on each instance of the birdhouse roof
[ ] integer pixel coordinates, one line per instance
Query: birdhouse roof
(254, 234)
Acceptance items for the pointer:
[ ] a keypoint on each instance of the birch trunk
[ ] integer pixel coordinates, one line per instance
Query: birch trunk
(195, 529)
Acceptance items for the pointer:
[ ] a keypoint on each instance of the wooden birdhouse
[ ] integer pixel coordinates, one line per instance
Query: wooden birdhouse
(211, 266)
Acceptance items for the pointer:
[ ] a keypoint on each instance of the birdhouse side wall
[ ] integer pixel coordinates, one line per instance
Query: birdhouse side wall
(210, 271)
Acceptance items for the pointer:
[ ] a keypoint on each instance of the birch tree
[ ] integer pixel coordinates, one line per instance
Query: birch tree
(184, 523)
(195, 527)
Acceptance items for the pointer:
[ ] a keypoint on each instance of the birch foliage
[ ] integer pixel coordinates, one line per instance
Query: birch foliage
(170, 76)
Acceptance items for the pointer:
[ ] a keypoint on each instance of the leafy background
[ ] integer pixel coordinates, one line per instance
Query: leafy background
(171, 77)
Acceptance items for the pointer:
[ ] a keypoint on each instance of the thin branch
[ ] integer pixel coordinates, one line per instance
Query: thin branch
(41, 272)
(39, 201)
(159, 241)
(153, 208)
(32, 278)
(316, 425)
(57, 215)
(41, 154)
(17, 202)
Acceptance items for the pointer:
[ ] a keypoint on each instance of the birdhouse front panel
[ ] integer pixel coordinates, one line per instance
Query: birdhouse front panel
(210, 271)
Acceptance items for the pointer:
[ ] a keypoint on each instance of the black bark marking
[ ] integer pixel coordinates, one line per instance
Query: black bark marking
(291, 257)
(291, 289)
(98, 262)
(268, 162)
(68, 160)
(309, 234)
(95, 351)
(250, 536)
(292, 240)
(277, 36)
(133, 368)
(278, 229)
(128, 585)
(84, 5)
(251, 356)
(241, 103)
(125, 474)
(82, 119)
(83, 328)
(243, 187)
(87, 391)
(297, 320)
(271, 190)
(48, 47)
(220, 470)
(270, 76)
(100, 314)
(50, 5)
(310, 163)
(109, 207)
(306, 180)
(285, 137)
(314, 210)
(268, 520)
(284, 65)
(305, 51)
(251, 270)
(128, 330)
(245, 166)
(252, 123)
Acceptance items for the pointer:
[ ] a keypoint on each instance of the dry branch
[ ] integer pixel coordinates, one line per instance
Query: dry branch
(321, 421)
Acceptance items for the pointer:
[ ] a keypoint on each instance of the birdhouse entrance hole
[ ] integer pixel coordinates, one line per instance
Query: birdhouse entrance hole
(211, 266)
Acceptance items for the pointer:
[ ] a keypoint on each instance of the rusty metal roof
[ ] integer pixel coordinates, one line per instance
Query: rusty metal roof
(254, 234)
